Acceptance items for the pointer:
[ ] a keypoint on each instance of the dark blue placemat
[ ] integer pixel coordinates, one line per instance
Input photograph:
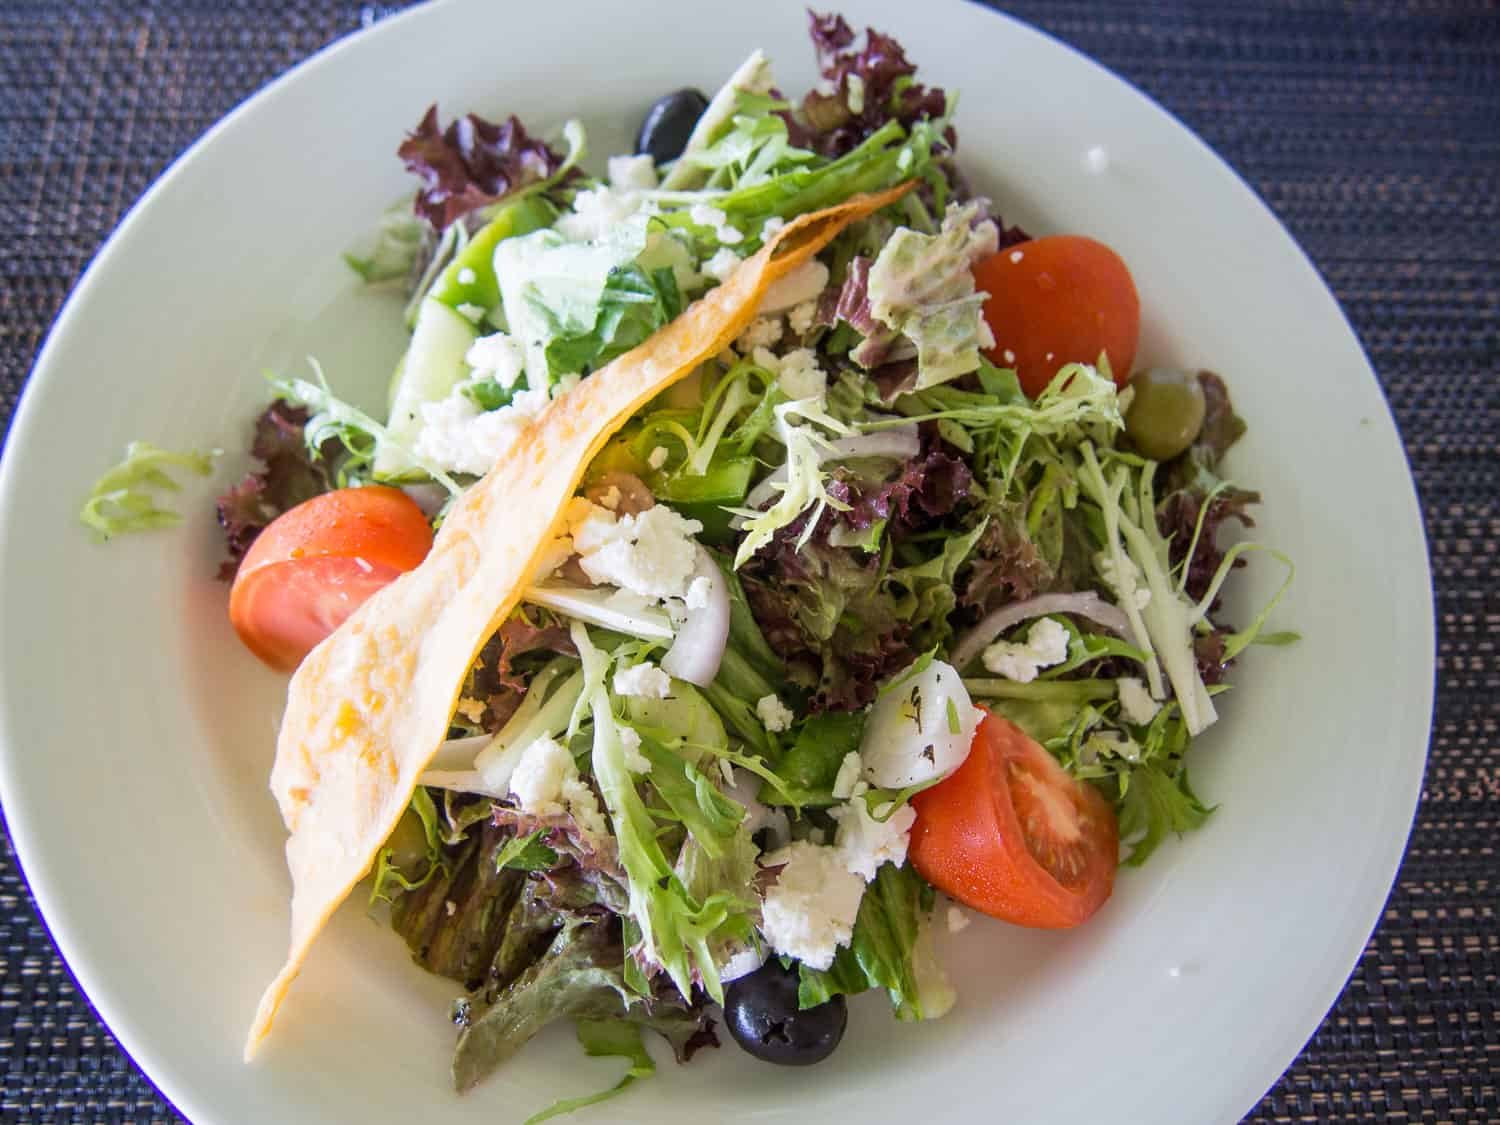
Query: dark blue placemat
(1372, 130)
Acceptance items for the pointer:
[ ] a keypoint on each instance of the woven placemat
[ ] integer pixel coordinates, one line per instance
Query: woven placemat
(1370, 129)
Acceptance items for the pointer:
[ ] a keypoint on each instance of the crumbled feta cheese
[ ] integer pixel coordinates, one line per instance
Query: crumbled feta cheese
(1127, 586)
(810, 911)
(1136, 703)
(1010, 356)
(645, 680)
(471, 709)
(565, 383)
(466, 276)
(903, 162)
(610, 500)
(705, 216)
(652, 554)
(698, 593)
(632, 173)
(471, 311)
(848, 777)
(958, 920)
(1046, 644)
(802, 284)
(771, 228)
(1016, 256)
(762, 333)
(498, 357)
(635, 761)
(800, 376)
(741, 964)
(774, 714)
(722, 264)
(546, 783)
(865, 843)
(450, 907)
(537, 782)
(658, 457)
(459, 437)
(604, 214)
(800, 319)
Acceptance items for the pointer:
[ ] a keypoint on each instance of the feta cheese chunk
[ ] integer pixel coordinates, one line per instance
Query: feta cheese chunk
(652, 554)
(800, 319)
(762, 333)
(635, 761)
(496, 357)
(632, 173)
(546, 783)
(741, 964)
(705, 216)
(920, 730)
(958, 921)
(645, 680)
(800, 376)
(722, 264)
(810, 911)
(459, 437)
(774, 714)
(848, 777)
(1046, 644)
(1136, 703)
(865, 843)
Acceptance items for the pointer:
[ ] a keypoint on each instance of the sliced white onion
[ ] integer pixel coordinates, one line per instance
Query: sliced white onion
(606, 607)
(1086, 604)
(458, 754)
(901, 443)
(919, 730)
(461, 781)
(699, 648)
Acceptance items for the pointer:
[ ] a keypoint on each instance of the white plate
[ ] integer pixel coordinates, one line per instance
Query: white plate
(137, 734)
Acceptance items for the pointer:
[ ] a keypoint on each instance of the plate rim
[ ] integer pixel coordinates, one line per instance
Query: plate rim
(91, 977)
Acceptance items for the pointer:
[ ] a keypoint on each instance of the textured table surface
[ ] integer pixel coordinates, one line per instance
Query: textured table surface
(1373, 130)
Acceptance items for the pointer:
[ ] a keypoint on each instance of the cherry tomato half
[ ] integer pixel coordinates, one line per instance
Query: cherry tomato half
(1059, 300)
(1011, 834)
(317, 563)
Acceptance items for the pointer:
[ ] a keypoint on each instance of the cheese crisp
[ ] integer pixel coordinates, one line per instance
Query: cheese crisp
(370, 706)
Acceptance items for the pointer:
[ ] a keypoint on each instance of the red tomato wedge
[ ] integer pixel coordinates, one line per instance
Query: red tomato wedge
(1011, 834)
(316, 564)
(1059, 300)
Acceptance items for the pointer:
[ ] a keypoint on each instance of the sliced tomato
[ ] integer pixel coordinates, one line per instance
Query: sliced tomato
(1011, 834)
(316, 564)
(1059, 300)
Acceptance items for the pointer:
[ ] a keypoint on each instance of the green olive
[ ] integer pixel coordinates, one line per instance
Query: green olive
(1166, 413)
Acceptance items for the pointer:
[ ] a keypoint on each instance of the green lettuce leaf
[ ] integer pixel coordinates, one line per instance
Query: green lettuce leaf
(922, 286)
(122, 499)
(606, 1038)
(579, 975)
(1155, 803)
(888, 950)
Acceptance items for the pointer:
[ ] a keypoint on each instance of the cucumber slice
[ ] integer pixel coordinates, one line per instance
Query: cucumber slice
(434, 362)
(432, 367)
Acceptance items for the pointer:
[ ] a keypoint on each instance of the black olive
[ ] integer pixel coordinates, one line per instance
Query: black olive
(762, 1014)
(668, 124)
